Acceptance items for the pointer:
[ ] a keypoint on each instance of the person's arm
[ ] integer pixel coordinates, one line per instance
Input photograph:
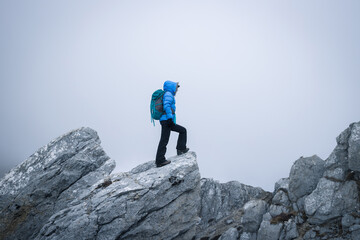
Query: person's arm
(167, 102)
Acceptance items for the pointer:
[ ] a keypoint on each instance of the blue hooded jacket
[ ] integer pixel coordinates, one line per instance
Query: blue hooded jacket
(169, 100)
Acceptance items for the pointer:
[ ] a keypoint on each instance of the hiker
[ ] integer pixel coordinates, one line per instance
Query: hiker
(168, 123)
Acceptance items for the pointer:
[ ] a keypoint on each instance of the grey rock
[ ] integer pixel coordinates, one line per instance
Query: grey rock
(326, 230)
(289, 231)
(65, 191)
(221, 200)
(269, 231)
(276, 210)
(355, 234)
(304, 176)
(221, 203)
(347, 221)
(339, 158)
(248, 236)
(67, 186)
(330, 200)
(282, 184)
(311, 234)
(337, 174)
(230, 234)
(49, 180)
(300, 204)
(299, 219)
(158, 203)
(253, 213)
(294, 206)
(267, 217)
(354, 147)
(229, 221)
(343, 138)
(354, 228)
(355, 231)
(281, 198)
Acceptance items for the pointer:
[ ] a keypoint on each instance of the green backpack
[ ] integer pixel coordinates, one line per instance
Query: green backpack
(156, 105)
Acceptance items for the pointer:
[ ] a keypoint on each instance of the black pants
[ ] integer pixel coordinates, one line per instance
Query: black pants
(166, 127)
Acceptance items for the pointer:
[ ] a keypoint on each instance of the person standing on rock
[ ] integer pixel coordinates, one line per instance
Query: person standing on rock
(168, 124)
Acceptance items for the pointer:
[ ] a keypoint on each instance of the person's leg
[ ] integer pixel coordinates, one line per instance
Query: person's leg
(181, 143)
(165, 135)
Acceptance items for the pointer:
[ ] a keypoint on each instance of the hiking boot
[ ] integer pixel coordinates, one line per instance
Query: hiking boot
(179, 152)
(166, 162)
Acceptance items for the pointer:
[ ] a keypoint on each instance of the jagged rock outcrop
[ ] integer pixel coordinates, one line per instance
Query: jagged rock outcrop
(50, 180)
(66, 191)
(253, 215)
(222, 205)
(146, 203)
(304, 176)
(319, 199)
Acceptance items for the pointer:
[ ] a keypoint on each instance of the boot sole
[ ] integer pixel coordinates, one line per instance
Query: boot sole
(163, 164)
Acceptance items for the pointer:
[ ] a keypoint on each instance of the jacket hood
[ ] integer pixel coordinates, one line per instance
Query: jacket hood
(170, 86)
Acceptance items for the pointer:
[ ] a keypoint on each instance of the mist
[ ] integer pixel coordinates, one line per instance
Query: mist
(262, 83)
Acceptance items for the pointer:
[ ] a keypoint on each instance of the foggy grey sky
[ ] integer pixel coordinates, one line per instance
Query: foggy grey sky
(262, 82)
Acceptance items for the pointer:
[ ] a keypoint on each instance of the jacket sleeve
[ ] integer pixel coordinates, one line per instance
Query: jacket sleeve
(173, 106)
(168, 101)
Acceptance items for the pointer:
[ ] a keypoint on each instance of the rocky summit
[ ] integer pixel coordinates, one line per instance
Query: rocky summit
(66, 190)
